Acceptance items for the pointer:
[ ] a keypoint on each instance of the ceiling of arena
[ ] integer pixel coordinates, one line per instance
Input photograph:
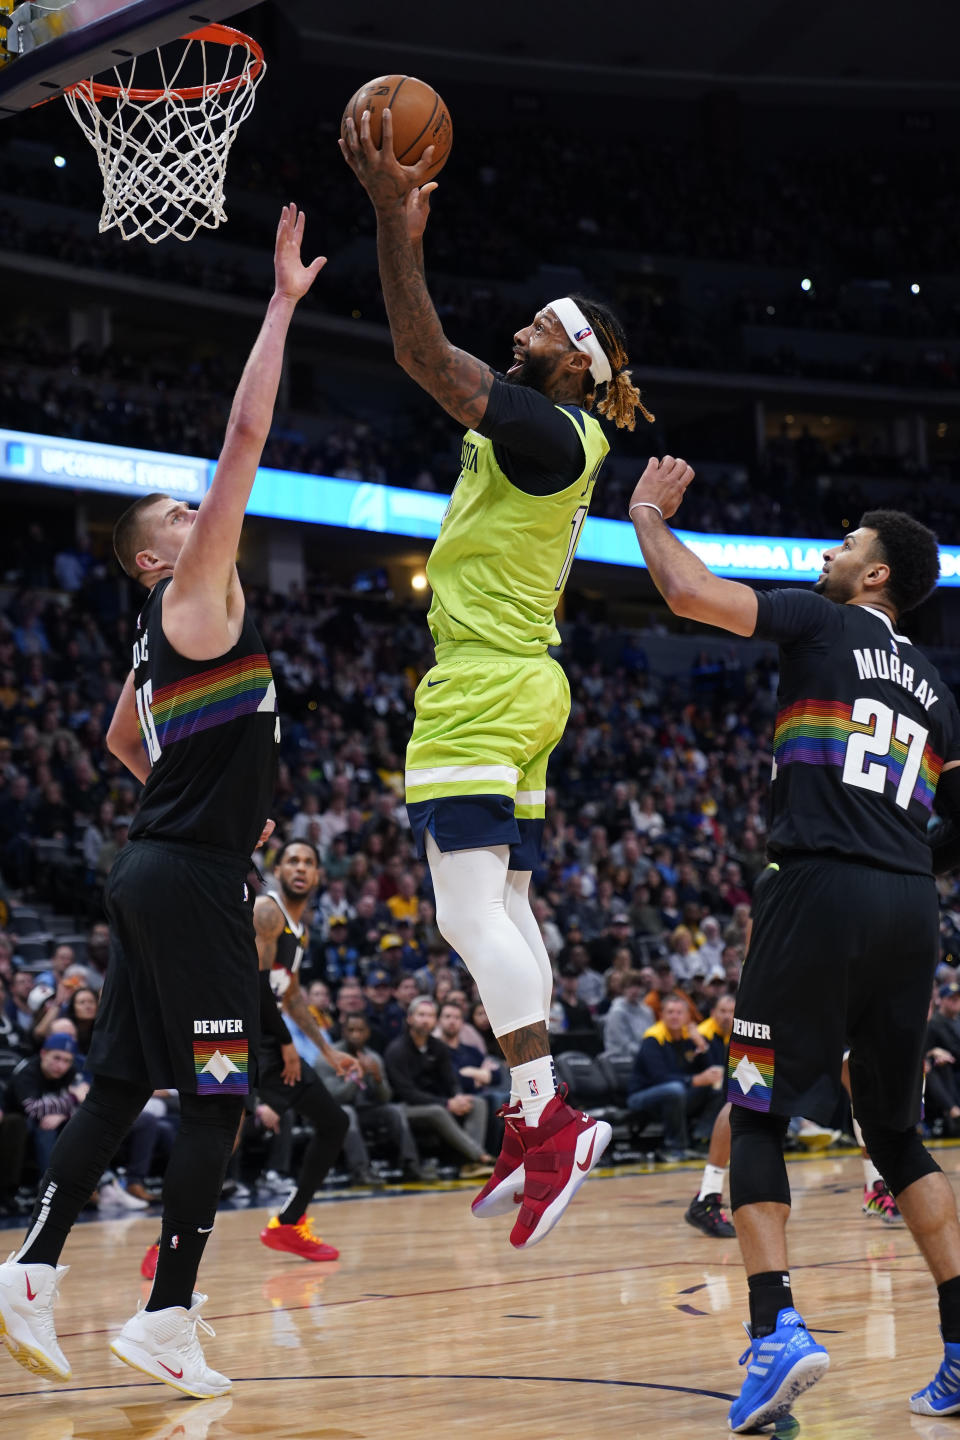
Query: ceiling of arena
(757, 46)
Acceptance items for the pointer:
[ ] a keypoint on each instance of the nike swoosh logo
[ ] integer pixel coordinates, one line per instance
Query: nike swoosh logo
(177, 1374)
(585, 1164)
(431, 683)
(31, 1294)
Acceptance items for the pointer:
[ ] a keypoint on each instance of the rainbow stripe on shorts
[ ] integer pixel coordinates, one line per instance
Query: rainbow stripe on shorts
(222, 1066)
(750, 1076)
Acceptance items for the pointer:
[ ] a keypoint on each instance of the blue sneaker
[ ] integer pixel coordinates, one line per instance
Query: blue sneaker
(779, 1368)
(942, 1395)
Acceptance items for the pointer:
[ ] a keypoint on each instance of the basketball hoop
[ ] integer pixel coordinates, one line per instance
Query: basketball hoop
(163, 152)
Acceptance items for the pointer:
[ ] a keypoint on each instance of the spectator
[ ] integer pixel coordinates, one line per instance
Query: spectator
(404, 905)
(569, 1014)
(423, 1078)
(82, 1009)
(590, 984)
(351, 1001)
(17, 1007)
(673, 1078)
(98, 952)
(664, 984)
(338, 958)
(717, 1027)
(368, 1109)
(384, 1016)
(942, 1091)
(46, 1089)
(628, 1019)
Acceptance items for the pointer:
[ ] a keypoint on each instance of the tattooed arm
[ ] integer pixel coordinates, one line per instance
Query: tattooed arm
(295, 1004)
(458, 381)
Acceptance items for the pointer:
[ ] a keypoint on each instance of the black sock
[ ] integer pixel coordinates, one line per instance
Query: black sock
(87, 1144)
(769, 1294)
(330, 1126)
(949, 1293)
(191, 1189)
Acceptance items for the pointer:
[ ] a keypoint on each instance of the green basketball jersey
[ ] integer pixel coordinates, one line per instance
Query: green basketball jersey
(502, 557)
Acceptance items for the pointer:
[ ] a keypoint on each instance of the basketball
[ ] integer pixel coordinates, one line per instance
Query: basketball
(420, 118)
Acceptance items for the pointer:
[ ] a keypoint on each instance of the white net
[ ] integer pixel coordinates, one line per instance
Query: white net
(163, 151)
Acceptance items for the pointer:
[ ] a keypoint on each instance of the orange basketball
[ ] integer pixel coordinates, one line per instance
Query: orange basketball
(420, 118)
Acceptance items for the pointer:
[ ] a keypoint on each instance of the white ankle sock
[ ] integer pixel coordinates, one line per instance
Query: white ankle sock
(535, 1084)
(870, 1174)
(712, 1182)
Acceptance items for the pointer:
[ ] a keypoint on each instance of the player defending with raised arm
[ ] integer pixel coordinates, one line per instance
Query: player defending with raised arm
(867, 742)
(495, 705)
(197, 723)
(285, 1080)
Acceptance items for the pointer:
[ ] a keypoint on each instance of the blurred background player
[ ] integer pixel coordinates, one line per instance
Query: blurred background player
(285, 1080)
(180, 1003)
(494, 707)
(867, 741)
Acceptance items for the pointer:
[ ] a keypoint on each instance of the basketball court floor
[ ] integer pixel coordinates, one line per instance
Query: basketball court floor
(625, 1322)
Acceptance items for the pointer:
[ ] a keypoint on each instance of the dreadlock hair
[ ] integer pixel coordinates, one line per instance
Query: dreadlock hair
(617, 399)
(128, 533)
(910, 549)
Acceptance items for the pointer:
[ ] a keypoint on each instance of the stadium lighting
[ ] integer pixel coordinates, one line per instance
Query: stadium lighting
(771, 309)
(419, 581)
(60, 161)
(914, 288)
(806, 284)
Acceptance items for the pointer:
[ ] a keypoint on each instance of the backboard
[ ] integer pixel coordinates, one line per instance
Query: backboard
(45, 47)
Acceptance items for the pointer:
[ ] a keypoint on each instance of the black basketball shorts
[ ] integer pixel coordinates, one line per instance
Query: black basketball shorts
(309, 1091)
(841, 955)
(180, 1008)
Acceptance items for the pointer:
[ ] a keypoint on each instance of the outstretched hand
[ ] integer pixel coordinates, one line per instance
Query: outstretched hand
(293, 278)
(385, 180)
(664, 484)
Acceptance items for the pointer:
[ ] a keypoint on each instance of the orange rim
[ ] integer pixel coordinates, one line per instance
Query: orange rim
(212, 34)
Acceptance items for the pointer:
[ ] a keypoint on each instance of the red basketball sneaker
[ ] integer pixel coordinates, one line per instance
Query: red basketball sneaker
(298, 1239)
(148, 1265)
(558, 1155)
(504, 1189)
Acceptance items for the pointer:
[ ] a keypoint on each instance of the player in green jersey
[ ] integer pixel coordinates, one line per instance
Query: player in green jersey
(495, 705)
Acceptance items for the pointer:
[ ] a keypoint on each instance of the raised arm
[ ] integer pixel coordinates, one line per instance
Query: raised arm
(459, 382)
(123, 734)
(205, 591)
(689, 588)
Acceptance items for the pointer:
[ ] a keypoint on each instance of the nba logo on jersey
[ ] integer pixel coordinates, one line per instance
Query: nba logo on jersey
(174, 1242)
(246, 892)
(533, 1087)
(582, 334)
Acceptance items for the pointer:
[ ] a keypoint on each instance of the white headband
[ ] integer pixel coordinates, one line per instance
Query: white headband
(580, 333)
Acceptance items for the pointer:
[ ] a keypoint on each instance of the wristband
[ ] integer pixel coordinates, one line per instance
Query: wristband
(648, 505)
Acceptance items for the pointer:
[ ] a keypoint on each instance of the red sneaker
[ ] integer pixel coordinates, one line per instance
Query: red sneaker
(298, 1239)
(558, 1155)
(504, 1189)
(148, 1265)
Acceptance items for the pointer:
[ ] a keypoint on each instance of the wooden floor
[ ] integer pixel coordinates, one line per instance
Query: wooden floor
(624, 1322)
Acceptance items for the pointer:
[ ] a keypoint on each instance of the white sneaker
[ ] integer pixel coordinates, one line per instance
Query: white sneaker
(28, 1294)
(164, 1345)
(113, 1194)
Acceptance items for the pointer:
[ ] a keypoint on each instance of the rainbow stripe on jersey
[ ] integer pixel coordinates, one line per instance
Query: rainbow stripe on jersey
(816, 732)
(213, 697)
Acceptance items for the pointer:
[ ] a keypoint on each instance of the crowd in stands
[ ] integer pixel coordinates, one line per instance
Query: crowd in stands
(179, 403)
(653, 840)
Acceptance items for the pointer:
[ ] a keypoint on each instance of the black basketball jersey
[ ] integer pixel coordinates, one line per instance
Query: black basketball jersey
(864, 727)
(211, 730)
(291, 947)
